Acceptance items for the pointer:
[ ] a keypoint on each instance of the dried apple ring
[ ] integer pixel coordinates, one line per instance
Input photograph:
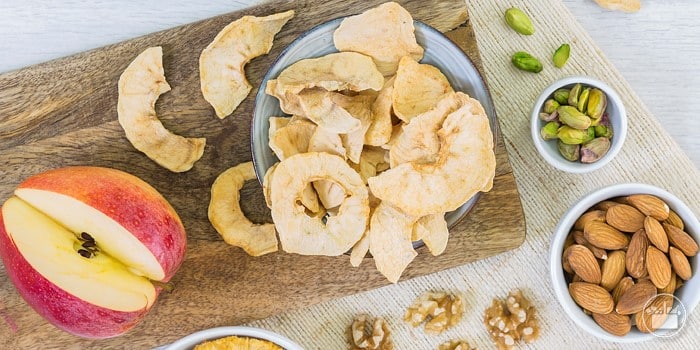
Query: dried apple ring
(140, 85)
(464, 165)
(227, 218)
(303, 234)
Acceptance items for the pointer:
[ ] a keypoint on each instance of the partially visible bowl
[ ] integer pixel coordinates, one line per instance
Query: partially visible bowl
(548, 149)
(687, 294)
(440, 51)
(190, 341)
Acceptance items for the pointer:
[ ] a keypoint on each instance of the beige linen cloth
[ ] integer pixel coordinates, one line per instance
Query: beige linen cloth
(649, 156)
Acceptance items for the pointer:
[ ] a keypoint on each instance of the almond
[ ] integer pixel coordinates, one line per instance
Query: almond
(636, 255)
(565, 260)
(680, 263)
(624, 218)
(605, 205)
(584, 263)
(613, 270)
(654, 315)
(634, 299)
(604, 236)
(622, 287)
(597, 215)
(591, 297)
(675, 220)
(614, 323)
(650, 205)
(656, 234)
(671, 286)
(658, 267)
(679, 282)
(681, 240)
(579, 238)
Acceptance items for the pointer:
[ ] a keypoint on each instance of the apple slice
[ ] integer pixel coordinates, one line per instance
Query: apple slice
(88, 247)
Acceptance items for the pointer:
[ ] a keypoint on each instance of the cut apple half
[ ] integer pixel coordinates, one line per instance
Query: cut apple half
(90, 248)
(51, 249)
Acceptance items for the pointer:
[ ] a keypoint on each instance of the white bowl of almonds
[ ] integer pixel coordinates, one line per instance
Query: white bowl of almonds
(623, 263)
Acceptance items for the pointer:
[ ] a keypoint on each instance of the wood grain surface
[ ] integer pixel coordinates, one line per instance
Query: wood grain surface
(63, 113)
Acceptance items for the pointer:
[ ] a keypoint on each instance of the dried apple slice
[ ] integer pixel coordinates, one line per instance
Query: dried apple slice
(140, 85)
(385, 33)
(310, 235)
(464, 165)
(229, 221)
(390, 232)
(432, 229)
(417, 88)
(222, 63)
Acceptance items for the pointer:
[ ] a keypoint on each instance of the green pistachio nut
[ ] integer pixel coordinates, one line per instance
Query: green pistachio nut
(571, 136)
(573, 95)
(570, 116)
(603, 131)
(591, 133)
(550, 106)
(519, 21)
(583, 100)
(561, 55)
(597, 102)
(524, 61)
(549, 130)
(595, 149)
(569, 152)
(561, 96)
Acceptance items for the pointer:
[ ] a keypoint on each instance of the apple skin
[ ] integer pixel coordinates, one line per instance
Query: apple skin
(128, 200)
(60, 308)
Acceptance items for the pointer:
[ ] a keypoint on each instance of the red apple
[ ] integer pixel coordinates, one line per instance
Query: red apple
(86, 247)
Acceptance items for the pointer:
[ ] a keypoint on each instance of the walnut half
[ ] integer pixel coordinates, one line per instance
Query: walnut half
(512, 321)
(440, 310)
(365, 333)
(455, 345)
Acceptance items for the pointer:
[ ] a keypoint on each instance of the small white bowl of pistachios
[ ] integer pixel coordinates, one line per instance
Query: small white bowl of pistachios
(578, 124)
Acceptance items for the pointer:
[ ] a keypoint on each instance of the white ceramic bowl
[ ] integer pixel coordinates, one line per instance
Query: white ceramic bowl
(190, 341)
(689, 293)
(548, 149)
(440, 52)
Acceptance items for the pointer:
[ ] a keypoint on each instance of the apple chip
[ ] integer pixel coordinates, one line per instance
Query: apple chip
(333, 72)
(323, 140)
(419, 143)
(385, 33)
(222, 62)
(329, 193)
(418, 87)
(359, 107)
(359, 250)
(266, 184)
(432, 229)
(290, 139)
(465, 164)
(227, 218)
(379, 131)
(303, 234)
(140, 85)
(327, 110)
(390, 232)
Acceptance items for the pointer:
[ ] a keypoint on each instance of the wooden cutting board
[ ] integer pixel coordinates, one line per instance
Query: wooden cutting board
(63, 113)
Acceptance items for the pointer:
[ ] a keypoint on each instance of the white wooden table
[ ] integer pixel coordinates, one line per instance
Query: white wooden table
(656, 49)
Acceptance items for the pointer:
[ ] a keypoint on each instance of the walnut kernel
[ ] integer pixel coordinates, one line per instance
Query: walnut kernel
(512, 321)
(365, 333)
(455, 345)
(440, 311)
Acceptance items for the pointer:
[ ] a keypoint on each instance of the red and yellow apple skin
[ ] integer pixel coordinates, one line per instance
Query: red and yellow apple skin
(60, 308)
(133, 212)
